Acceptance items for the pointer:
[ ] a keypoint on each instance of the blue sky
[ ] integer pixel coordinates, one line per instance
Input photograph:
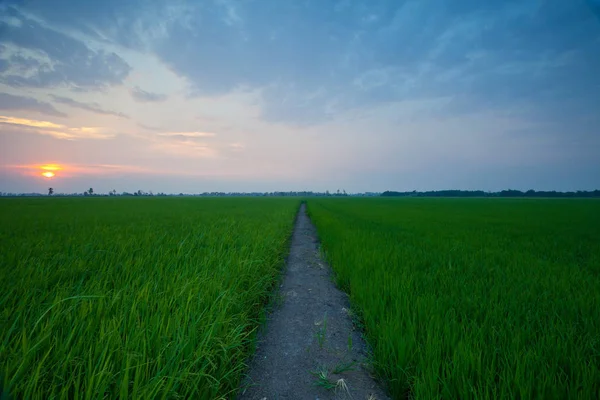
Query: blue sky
(264, 95)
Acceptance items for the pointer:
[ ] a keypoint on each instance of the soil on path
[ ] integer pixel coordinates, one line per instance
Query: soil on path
(309, 338)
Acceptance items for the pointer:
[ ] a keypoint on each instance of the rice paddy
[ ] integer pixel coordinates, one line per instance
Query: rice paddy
(162, 297)
(135, 298)
(472, 298)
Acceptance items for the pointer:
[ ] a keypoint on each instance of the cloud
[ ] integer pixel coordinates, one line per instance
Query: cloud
(188, 135)
(360, 53)
(30, 123)
(164, 133)
(57, 131)
(92, 107)
(55, 58)
(147, 97)
(185, 147)
(12, 102)
(184, 144)
(499, 54)
(150, 128)
(236, 146)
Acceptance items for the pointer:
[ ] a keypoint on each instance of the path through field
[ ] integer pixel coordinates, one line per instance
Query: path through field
(309, 348)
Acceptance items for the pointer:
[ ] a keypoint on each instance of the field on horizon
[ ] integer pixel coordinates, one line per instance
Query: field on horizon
(472, 298)
(135, 298)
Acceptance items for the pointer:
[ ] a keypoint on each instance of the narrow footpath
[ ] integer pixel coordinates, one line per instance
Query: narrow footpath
(309, 348)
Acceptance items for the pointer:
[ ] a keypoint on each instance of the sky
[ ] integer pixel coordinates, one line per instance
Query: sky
(264, 95)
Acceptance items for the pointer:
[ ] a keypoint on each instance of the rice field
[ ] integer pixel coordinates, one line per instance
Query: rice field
(162, 297)
(472, 298)
(135, 297)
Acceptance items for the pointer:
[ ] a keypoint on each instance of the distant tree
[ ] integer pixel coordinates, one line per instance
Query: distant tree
(50, 191)
(91, 191)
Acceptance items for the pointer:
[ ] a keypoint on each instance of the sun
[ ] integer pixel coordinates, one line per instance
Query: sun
(49, 170)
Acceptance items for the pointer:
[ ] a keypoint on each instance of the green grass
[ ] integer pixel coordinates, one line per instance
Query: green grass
(472, 298)
(134, 298)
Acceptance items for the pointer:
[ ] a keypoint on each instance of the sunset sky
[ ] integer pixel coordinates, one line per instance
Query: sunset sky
(262, 95)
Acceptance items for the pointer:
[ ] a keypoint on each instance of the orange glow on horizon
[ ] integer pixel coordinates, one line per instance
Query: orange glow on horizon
(67, 171)
(51, 167)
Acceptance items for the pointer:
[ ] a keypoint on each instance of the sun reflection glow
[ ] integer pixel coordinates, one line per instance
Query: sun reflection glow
(48, 174)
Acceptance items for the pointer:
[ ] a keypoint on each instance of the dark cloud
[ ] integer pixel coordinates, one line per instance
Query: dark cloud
(12, 102)
(357, 53)
(74, 63)
(497, 53)
(92, 107)
(147, 97)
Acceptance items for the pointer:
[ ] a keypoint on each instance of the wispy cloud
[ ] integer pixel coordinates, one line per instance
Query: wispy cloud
(72, 62)
(30, 123)
(150, 128)
(23, 103)
(188, 148)
(177, 134)
(236, 146)
(189, 135)
(92, 107)
(57, 131)
(147, 97)
(192, 144)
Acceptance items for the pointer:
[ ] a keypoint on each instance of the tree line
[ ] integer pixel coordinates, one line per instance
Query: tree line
(503, 193)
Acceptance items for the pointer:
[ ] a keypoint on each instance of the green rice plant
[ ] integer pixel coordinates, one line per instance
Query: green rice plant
(343, 366)
(472, 298)
(321, 333)
(135, 297)
(322, 379)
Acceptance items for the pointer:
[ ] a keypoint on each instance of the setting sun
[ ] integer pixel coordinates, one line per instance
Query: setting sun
(49, 170)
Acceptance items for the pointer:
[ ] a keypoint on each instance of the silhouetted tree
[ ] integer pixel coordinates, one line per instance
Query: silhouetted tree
(50, 191)
(91, 191)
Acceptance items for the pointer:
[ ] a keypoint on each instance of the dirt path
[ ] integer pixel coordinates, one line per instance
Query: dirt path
(309, 334)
